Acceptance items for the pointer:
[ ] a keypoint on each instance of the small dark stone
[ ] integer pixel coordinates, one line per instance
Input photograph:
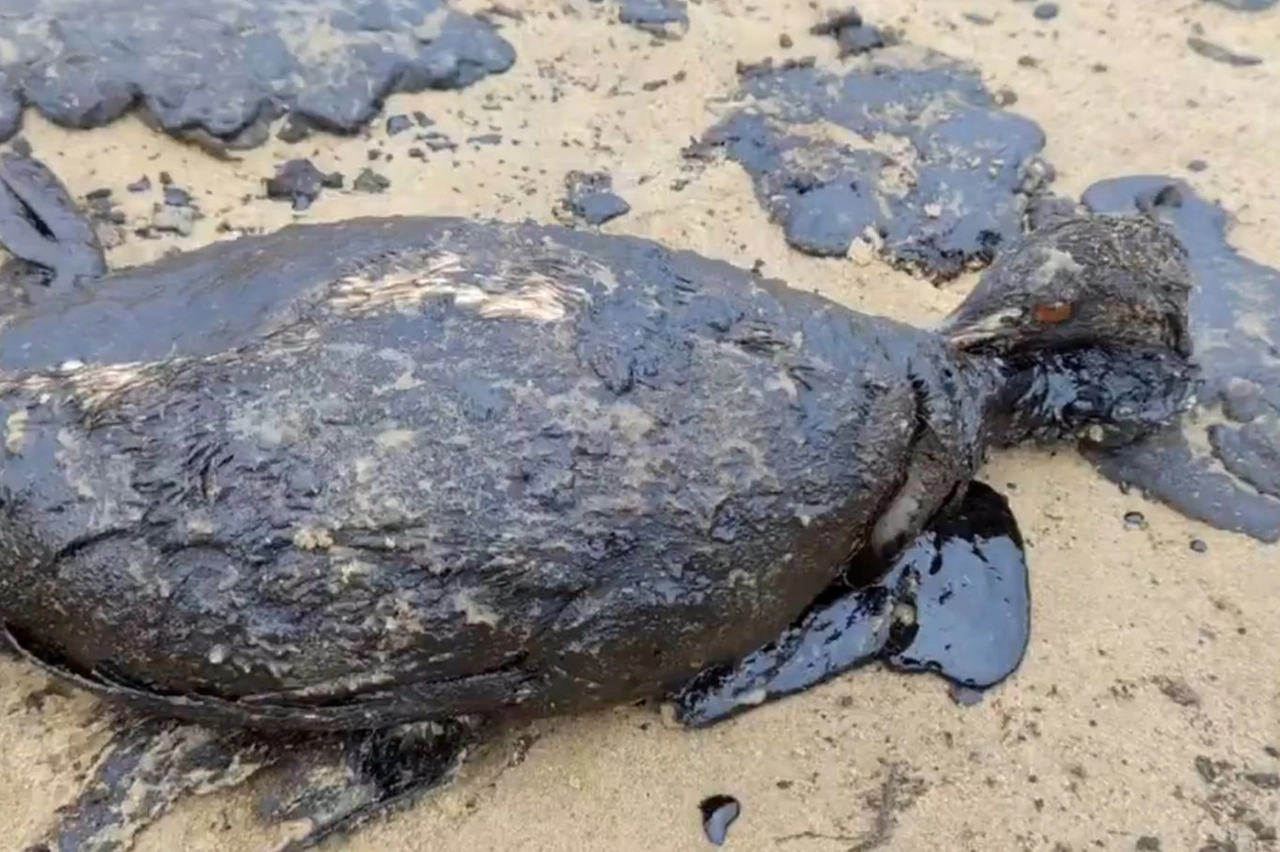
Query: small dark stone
(1199, 545)
(1135, 521)
(165, 178)
(785, 41)
(1264, 780)
(486, 139)
(370, 181)
(1179, 692)
(421, 119)
(1218, 53)
(1006, 97)
(175, 197)
(1216, 845)
(417, 153)
(398, 124)
(142, 184)
(980, 20)
(438, 141)
(1207, 769)
(1028, 61)
(1046, 11)
(21, 146)
(1147, 843)
(1197, 165)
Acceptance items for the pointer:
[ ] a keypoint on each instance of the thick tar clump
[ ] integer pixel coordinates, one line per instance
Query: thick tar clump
(661, 17)
(218, 71)
(905, 151)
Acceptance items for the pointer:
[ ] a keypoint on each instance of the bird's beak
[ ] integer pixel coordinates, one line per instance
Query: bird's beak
(965, 332)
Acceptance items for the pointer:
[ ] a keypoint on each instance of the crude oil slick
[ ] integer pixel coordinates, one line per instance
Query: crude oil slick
(1222, 468)
(218, 72)
(905, 152)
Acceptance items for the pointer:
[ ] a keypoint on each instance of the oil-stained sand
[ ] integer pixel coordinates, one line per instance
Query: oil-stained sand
(1151, 664)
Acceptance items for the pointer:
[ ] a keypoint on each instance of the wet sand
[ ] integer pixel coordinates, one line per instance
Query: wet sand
(1149, 703)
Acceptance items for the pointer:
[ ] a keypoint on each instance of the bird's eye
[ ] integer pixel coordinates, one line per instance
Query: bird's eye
(1052, 313)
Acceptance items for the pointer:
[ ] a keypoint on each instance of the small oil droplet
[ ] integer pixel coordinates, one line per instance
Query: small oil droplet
(718, 813)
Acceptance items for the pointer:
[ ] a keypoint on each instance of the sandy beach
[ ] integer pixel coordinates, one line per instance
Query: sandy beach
(1147, 712)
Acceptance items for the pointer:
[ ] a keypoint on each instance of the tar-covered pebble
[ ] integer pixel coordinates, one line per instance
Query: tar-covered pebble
(589, 196)
(398, 124)
(294, 129)
(1135, 521)
(718, 813)
(370, 181)
(300, 182)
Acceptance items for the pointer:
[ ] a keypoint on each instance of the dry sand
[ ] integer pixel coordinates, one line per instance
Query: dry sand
(1149, 662)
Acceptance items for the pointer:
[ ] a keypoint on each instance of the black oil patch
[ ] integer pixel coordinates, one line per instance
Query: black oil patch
(905, 150)
(1235, 323)
(955, 602)
(219, 71)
